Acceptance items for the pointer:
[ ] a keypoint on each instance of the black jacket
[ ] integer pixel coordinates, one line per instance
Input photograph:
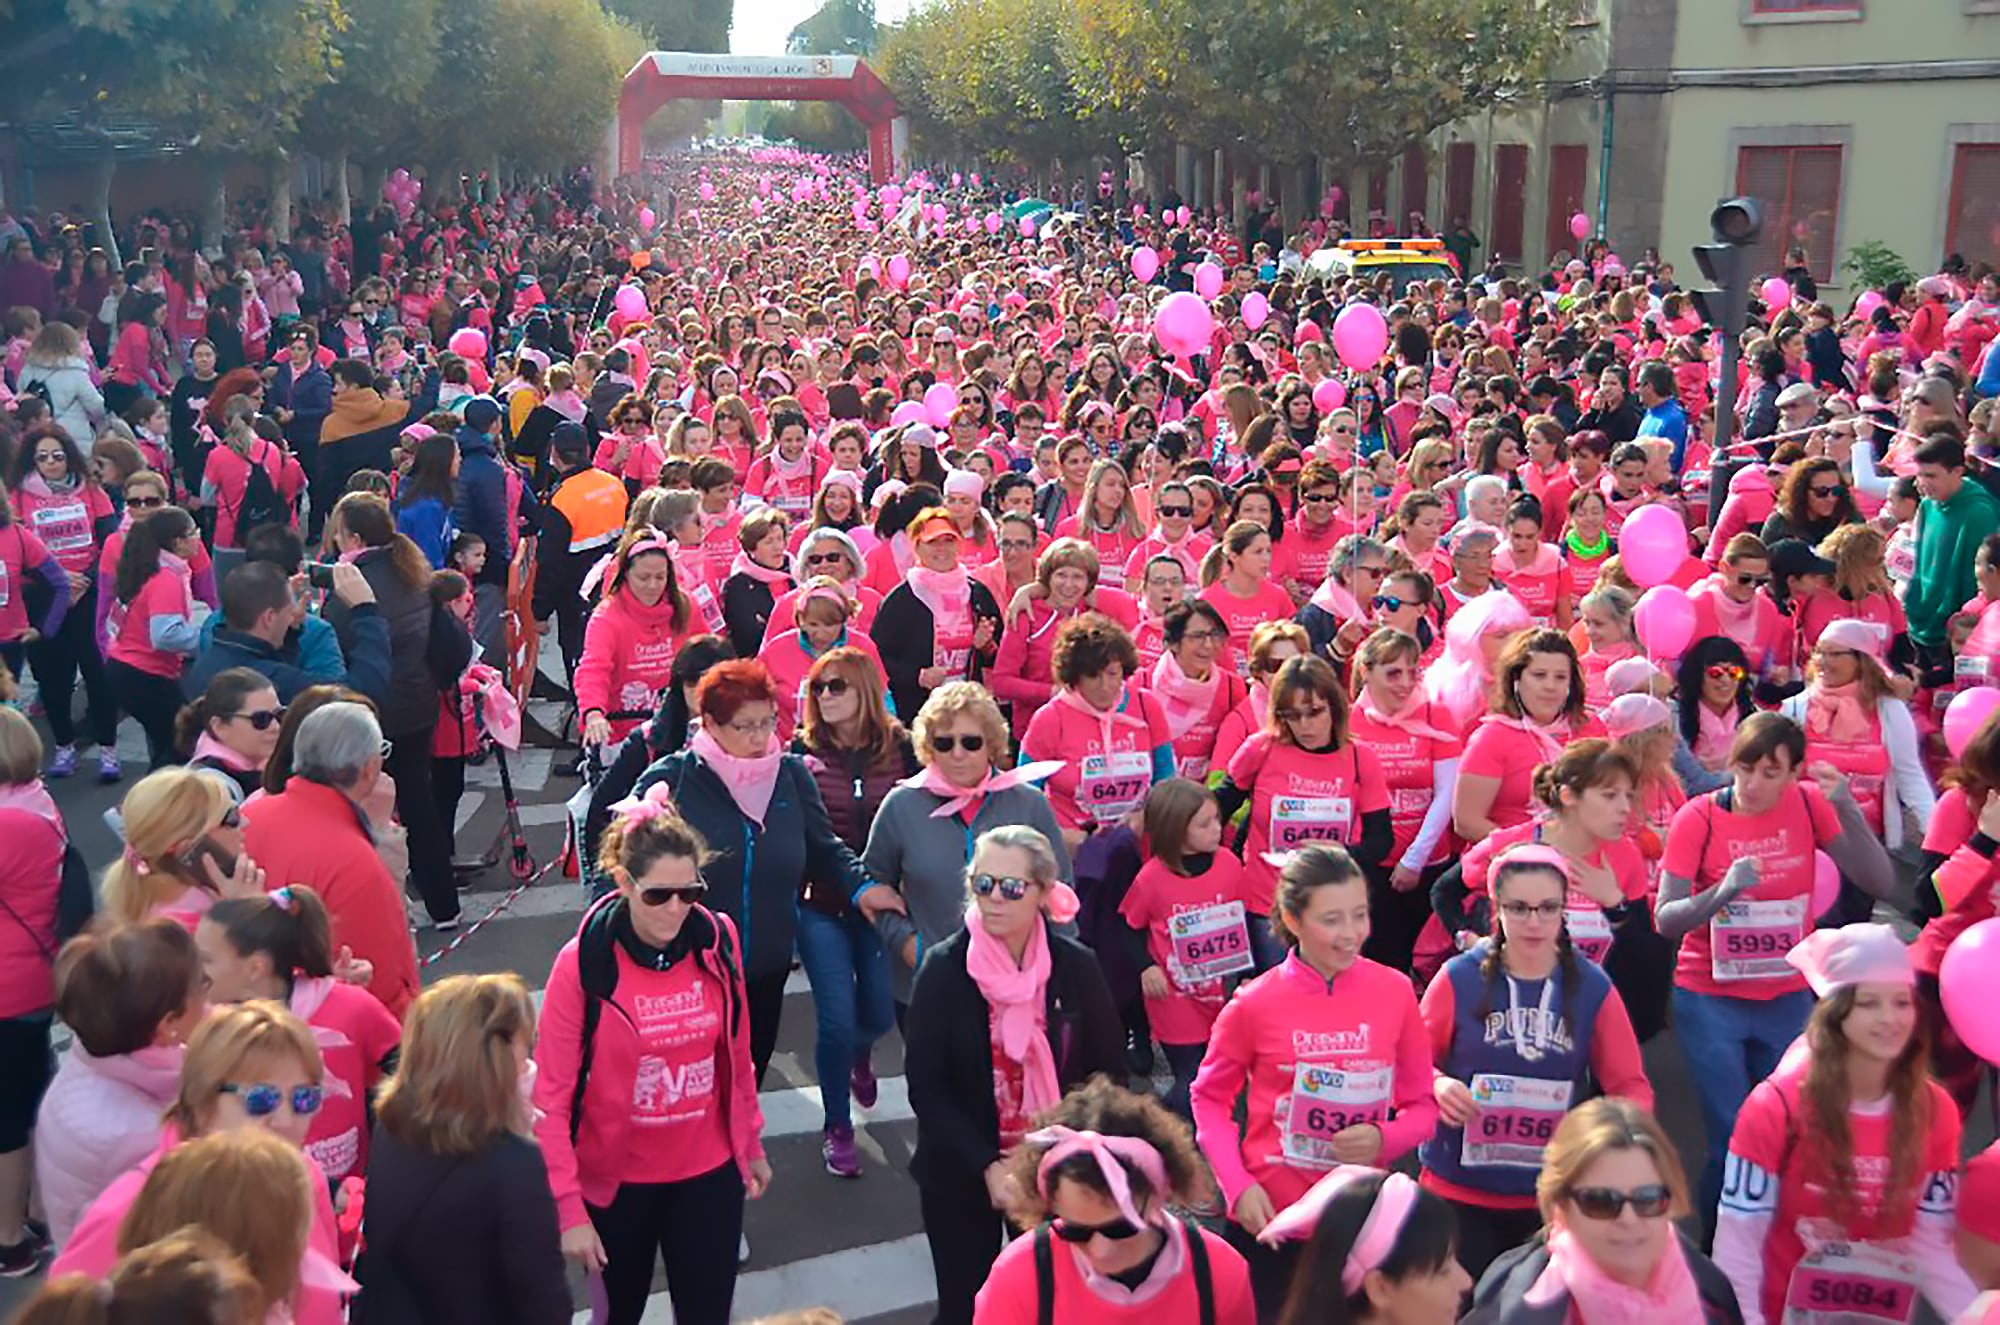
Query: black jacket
(502, 1263)
(1499, 1298)
(756, 874)
(1620, 425)
(746, 609)
(903, 636)
(411, 705)
(948, 1054)
(367, 660)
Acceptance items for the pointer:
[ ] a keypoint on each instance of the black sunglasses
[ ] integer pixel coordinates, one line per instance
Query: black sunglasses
(1176, 512)
(145, 503)
(1388, 602)
(972, 744)
(661, 896)
(264, 719)
(832, 685)
(1648, 1202)
(1011, 889)
(1836, 490)
(1318, 498)
(1120, 1229)
(833, 558)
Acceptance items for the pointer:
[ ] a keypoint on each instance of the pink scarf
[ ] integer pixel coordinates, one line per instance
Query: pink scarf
(1549, 740)
(1409, 718)
(1599, 1299)
(1335, 599)
(1836, 713)
(948, 595)
(207, 747)
(1108, 720)
(746, 565)
(902, 552)
(750, 781)
(33, 797)
(1184, 700)
(790, 469)
(957, 798)
(1714, 737)
(1738, 620)
(1016, 997)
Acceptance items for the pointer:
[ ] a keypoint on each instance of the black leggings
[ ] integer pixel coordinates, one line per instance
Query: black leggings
(766, 996)
(409, 764)
(448, 785)
(1395, 919)
(1486, 1232)
(153, 701)
(693, 1225)
(965, 1234)
(59, 660)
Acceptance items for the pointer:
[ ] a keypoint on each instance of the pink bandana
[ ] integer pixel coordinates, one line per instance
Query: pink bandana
(745, 565)
(1108, 720)
(750, 781)
(1409, 718)
(1334, 598)
(1549, 741)
(957, 798)
(1835, 713)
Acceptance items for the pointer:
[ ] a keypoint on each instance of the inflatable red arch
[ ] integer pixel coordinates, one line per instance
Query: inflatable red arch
(664, 76)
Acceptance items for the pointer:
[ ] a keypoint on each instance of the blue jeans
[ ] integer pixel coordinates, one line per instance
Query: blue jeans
(851, 1002)
(1183, 1060)
(1731, 1044)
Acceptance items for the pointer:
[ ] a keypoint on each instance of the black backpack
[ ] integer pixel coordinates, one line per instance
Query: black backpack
(262, 503)
(1045, 1273)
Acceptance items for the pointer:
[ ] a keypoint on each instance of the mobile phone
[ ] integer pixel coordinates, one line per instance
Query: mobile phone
(206, 849)
(319, 575)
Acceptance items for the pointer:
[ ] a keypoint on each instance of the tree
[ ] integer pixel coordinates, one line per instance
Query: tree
(679, 25)
(388, 59)
(821, 126)
(838, 27)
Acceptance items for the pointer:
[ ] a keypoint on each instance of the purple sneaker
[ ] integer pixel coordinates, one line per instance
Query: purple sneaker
(837, 1149)
(861, 1084)
(108, 767)
(63, 764)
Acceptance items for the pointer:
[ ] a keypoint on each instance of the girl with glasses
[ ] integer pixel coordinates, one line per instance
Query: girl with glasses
(1007, 1015)
(1843, 1163)
(823, 619)
(1095, 1185)
(1610, 1190)
(646, 1109)
(1518, 1022)
(253, 1066)
(278, 947)
(232, 727)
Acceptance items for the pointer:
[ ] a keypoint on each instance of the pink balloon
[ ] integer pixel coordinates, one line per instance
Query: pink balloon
(1256, 309)
(1664, 619)
(956, 179)
(1208, 280)
(1145, 263)
(899, 271)
(1652, 546)
(1968, 711)
(939, 401)
(1335, 194)
(1183, 325)
(1579, 225)
(1138, 211)
(707, 191)
(470, 342)
(890, 195)
(975, 181)
(1329, 395)
(1777, 292)
(1360, 336)
(630, 300)
(910, 411)
(1183, 216)
(1869, 301)
(401, 177)
(993, 222)
(1969, 986)
(1027, 227)
(646, 218)
(756, 206)
(971, 225)
(1826, 883)
(764, 186)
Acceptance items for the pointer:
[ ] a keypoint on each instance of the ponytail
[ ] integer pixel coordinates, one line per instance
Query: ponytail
(139, 559)
(188, 1277)
(289, 925)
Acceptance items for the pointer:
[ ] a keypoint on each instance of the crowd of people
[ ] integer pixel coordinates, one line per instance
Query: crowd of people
(1380, 714)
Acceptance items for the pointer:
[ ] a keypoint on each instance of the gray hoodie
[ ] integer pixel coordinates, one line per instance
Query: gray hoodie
(74, 400)
(925, 859)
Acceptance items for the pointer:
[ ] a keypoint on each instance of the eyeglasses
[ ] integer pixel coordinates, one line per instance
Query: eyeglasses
(43, 456)
(1726, 672)
(832, 685)
(1306, 714)
(1375, 571)
(972, 743)
(1607, 1203)
(1319, 498)
(761, 727)
(261, 1099)
(688, 894)
(1118, 1230)
(1836, 490)
(1176, 512)
(1752, 581)
(1202, 636)
(1539, 910)
(145, 503)
(1011, 889)
(1388, 602)
(1015, 545)
(263, 720)
(833, 558)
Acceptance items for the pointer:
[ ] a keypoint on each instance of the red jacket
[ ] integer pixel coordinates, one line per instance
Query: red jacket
(586, 1157)
(315, 835)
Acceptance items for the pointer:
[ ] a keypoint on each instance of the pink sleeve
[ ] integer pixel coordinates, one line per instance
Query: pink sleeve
(1009, 679)
(1439, 1008)
(1482, 754)
(1614, 1054)
(593, 670)
(1416, 1110)
(1372, 790)
(558, 1058)
(1010, 1295)
(1224, 1070)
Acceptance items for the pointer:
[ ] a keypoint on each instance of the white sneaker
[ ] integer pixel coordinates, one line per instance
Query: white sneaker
(743, 1249)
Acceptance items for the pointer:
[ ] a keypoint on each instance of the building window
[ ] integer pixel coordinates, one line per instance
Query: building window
(1800, 190)
(1510, 201)
(1794, 10)
(1569, 163)
(1972, 223)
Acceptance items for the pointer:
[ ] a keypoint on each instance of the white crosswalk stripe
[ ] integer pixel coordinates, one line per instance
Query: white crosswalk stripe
(857, 1283)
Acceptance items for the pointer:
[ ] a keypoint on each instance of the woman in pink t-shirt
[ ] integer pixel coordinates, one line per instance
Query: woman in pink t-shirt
(1107, 519)
(1732, 602)
(1737, 891)
(1110, 737)
(1538, 709)
(1244, 592)
(1192, 681)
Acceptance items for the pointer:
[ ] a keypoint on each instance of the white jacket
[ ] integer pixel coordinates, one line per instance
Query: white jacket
(74, 399)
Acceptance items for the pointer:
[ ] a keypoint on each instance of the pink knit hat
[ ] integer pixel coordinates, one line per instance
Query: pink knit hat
(964, 483)
(1832, 959)
(1635, 713)
(1860, 636)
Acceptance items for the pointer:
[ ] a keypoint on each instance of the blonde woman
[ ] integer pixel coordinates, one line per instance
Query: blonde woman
(461, 1224)
(183, 849)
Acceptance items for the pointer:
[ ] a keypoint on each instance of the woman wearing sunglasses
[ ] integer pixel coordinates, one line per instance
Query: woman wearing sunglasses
(1094, 1186)
(232, 727)
(183, 849)
(826, 553)
(1007, 1015)
(1610, 1190)
(1712, 689)
(1843, 1164)
(1518, 1023)
(645, 1092)
(253, 1065)
(823, 619)
(1813, 501)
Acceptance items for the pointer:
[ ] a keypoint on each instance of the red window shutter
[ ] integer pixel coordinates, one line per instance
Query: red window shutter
(1972, 226)
(1416, 188)
(1510, 200)
(1567, 165)
(1378, 191)
(1458, 167)
(1800, 190)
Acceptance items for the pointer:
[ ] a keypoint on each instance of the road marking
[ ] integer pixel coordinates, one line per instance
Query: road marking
(859, 1282)
(797, 1110)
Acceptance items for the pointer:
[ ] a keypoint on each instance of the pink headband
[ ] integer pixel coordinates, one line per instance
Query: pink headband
(1832, 959)
(1379, 1230)
(823, 593)
(1062, 1142)
(1527, 853)
(635, 810)
(650, 543)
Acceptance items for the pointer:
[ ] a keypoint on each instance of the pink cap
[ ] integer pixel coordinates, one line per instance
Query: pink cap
(1979, 1195)
(845, 478)
(964, 483)
(1860, 636)
(1832, 959)
(1635, 713)
(1630, 675)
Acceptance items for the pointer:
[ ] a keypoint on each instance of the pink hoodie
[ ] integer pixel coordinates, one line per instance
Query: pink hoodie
(628, 657)
(789, 659)
(1303, 1045)
(99, 1118)
(1750, 503)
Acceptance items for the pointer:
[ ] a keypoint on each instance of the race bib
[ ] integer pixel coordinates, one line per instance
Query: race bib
(1297, 820)
(1513, 1118)
(1972, 671)
(1327, 1100)
(711, 611)
(63, 528)
(1210, 942)
(1851, 1283)
(954, 661)
(1410, 802)
(1192, 767)
(1114, 785)
(1749, 940)
(1589, 928)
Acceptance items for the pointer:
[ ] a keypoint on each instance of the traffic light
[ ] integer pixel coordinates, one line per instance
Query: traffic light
(1736, 224)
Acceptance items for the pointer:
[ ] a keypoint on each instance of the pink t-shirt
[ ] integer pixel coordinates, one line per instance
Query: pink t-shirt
(1243, 615)
(1114, 548)
(20, 553)
(1100, 783)
(355, 1033)
(1302, 558)
(1194, 926)
(1510, 755)
(1409, 764)
(1965, 882)
(1741, 952)
(1297, 797)
(679, 1126)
